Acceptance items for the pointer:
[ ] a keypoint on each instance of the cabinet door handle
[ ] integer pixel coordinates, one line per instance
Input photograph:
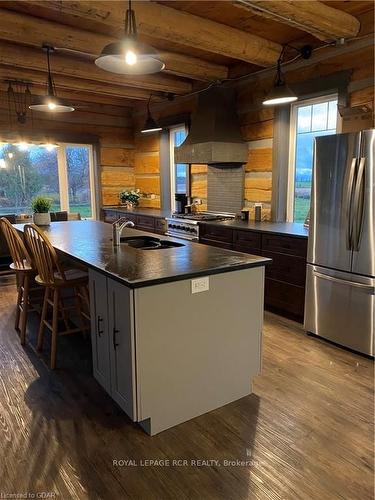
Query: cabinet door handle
(115, 344)
(99, 320)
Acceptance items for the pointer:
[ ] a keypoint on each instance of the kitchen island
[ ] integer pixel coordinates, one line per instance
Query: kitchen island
(176, 331)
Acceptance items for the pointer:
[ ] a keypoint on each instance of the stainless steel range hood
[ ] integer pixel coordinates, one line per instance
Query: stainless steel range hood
(214, 136)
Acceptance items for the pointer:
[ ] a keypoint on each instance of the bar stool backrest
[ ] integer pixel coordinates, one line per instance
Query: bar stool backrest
(44, 255)
(20, 256)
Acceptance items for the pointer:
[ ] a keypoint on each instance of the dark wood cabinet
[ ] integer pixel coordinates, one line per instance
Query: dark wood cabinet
(291, 245)
(145, 222)
(142, 222)
(285, 276)
(217, 234)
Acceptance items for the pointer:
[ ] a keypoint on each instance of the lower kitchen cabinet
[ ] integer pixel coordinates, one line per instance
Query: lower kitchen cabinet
(142, 222)
(285, 276)
(112, 337)
(121, 346)
(100, 329)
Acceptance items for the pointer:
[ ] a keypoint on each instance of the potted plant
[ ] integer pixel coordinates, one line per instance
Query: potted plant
(130, 198)
(41, 206)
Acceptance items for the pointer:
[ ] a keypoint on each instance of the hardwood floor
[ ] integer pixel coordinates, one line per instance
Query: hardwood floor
(307, 431)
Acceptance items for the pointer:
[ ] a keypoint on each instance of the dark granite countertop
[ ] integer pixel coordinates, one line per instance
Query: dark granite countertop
(90, 242)
(282, 228)
(153, 212)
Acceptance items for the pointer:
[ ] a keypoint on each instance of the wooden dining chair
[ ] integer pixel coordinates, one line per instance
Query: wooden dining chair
(55, 279)
(25, 271)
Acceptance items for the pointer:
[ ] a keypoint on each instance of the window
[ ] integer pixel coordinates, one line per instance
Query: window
(63, 174)
(179, 171)
(309, 119)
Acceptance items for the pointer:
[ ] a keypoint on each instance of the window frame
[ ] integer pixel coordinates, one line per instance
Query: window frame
(63, 177)
(292, 144)
(172, 186)
(62, 170)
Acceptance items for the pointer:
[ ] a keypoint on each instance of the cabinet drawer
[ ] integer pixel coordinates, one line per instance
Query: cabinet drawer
(284, 244)
(247, 240)
(288, 268)
(214, 243)
(217, 233)
(109, 215)
(160, 225)
(145, 222)
(284, 298)
(131, 217)
(246, 249)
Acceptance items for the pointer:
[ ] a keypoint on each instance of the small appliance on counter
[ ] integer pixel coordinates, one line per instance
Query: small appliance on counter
(181, 202)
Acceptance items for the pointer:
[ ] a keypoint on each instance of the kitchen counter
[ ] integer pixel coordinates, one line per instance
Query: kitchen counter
(90, 242)
(281, 228)
(152, 212)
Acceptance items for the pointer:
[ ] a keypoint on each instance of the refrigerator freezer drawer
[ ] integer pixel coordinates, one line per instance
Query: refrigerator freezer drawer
(340, 307)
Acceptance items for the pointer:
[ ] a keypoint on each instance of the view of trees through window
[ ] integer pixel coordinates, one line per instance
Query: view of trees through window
(33, 170)
(311, 121)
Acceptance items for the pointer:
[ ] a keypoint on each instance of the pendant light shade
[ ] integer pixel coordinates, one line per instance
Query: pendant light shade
(280, 93)
(150, 124)
(50, 102)
(129, 56)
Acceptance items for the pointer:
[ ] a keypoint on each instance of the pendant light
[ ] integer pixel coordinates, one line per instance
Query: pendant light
(50, 102)
(129, 56)
(150, 124)
(280, 93)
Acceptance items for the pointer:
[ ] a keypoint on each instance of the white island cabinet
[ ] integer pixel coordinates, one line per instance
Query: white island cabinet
(170, 352)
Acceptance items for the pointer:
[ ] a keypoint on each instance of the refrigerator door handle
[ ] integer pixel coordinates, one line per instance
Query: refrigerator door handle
(358, 206)
(349, 199)
(368, 288)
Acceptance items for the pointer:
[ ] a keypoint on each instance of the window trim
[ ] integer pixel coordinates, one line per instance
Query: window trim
(172, 169)
(63, 176)
(292, 144)
(62, 170)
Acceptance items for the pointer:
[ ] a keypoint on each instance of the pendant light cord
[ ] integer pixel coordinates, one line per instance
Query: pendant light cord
(51, 86)
(130, 24)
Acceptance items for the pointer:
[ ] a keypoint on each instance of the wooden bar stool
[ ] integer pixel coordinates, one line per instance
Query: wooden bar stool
(25, 274)
(55, 279)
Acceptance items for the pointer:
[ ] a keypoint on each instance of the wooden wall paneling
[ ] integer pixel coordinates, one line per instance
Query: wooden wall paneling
(120, 177)
(117, 156)
(259, 160)
(147, 163)
(148, 184)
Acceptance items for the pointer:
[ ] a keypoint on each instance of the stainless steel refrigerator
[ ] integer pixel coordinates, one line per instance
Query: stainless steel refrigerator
(340, 287)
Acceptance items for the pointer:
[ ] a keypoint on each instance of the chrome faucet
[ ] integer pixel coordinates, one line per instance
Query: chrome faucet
(117, 228)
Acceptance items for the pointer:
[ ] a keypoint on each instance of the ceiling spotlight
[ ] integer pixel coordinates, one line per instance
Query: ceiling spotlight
(129, 56)
(150, 124)
(50, 102)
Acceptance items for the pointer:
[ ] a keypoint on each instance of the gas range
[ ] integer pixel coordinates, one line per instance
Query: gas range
(186, 226)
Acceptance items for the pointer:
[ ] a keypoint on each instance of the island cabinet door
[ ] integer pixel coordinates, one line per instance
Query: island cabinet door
(99, 329)
(121, 346)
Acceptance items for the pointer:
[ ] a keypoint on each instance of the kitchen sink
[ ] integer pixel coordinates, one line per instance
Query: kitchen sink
(149, 243)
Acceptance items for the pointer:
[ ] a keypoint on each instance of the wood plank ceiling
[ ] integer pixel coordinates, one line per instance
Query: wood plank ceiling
(200, 41)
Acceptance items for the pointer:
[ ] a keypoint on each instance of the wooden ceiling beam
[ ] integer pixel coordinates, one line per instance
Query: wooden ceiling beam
(324, 22)
(31, 31)
(73, 84)
(29, 58)
(73, 15)
(162, 22)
